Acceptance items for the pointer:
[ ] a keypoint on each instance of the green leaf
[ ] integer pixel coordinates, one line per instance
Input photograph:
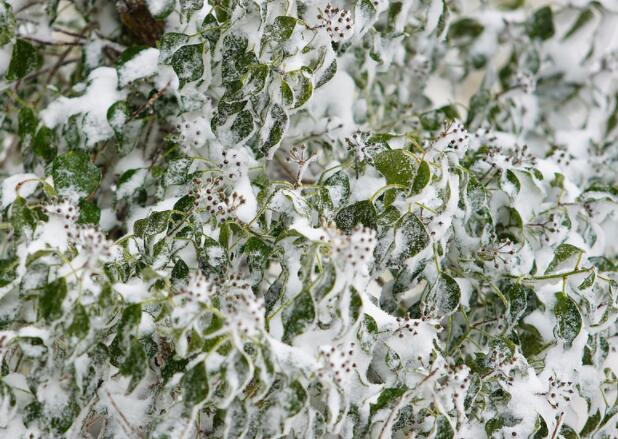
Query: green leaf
(283, 27)
(117, 116)
(443, 428)
(479, 104)
(294, 397)
(180, 270)
(591, 424)
(257, 252)
(464, 30)
(564, 253)
(242, 127)
(531, 340)
(509, 183)
(335, 191)
(277, 122)
(7, 24)
(8, 271)
(21, 217)
(361, 212)
(410, 235)
(569, 320)
(89, 213)
(541, 24)
(568, 433)
(328, 74)
(25, 59)
(388, 397)
(74, 175)
(188, 63)
(52, 298)
(517, 295)
(299, 315)
(26, 126)
(191, 5)
(443, 298)
(170, 43)
(584, 17)
(153, 224)
(397, 165)
(588, 281)
(212, 256)
(43, 143)
(81, 322)
(300, 84)
(422, 178)
(134, 363)
(195, 385)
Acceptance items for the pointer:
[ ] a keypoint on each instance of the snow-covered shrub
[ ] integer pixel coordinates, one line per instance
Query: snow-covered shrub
(301, 219)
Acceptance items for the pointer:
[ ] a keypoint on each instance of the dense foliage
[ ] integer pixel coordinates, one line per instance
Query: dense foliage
(259, 219)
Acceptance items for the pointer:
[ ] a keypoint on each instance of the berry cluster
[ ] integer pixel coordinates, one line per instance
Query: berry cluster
(64, 210)
(338, 23)
(362, 148)
(91, 241)
(337, 364)
(210, 196)
(354, 252)
(559, 393)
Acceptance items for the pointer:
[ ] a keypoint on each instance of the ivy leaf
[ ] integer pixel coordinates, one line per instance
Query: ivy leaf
(569, 320)
(283, 28)
(275, 126)
(300, 86)
(388, 397)
(134, 363)
(7, 24)
(563, 254)
(361, 212)
(8, 271)
(517, 295)
(584, 17)
(443, 298)
(256, 251)
(153, 224)
(509, 183)
(50, 301)
(588, 281)
(410, 236)
(464, 30)
(422, 178)
(25, 59)
(397, 166)
(191, 5)
(170, 43)
(531, 340)
(541, 24)
(335, 191)
(479, 105)
(89, 212)
(299, 315)
(75, 176)
(212, 256)
(443, 428)
(81, 322)
(328, 74)
(21, 217)
(188, 63)
(242, 127)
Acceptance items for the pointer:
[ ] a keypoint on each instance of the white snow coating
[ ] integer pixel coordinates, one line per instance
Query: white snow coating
(101, 92)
